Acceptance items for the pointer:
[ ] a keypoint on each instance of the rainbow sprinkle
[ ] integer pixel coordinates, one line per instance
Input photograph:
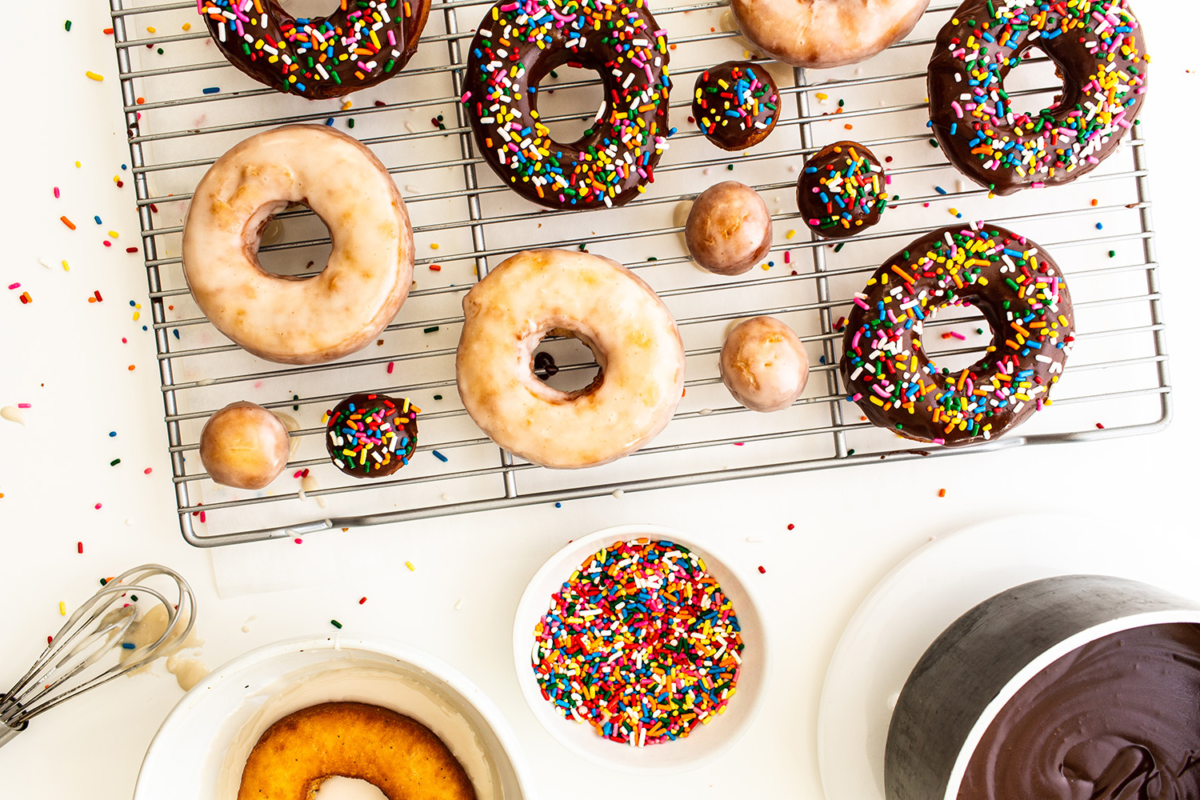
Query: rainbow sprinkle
(640, 643)
(369, 433)
(621, 148)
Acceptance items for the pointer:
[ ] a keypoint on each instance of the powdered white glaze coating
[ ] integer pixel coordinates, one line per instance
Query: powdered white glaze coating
(764, 364)
(631, 332)
(825, 33)
(293, 320)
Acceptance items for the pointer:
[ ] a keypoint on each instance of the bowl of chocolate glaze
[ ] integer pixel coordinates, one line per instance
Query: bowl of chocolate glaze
(1079, 687)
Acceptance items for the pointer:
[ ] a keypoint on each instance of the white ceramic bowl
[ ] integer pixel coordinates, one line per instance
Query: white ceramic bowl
(705, 742)
(199, 751)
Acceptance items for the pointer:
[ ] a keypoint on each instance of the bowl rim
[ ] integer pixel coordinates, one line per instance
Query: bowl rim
(408, 654)
(553, 565)
(1044, 660)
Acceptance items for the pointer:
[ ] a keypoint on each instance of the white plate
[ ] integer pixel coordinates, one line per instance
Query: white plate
(199, 751)
(927, 591)
(705, 742)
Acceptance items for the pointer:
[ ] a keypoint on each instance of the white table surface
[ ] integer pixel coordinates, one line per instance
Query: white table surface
(66, 357)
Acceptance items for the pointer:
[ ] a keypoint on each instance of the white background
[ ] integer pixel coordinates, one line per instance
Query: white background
(66, 357)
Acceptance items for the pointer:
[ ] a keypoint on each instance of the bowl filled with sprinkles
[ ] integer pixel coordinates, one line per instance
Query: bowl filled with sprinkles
(641, 650)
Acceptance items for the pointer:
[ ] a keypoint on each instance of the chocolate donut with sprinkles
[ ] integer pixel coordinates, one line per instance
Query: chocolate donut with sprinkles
(842, 190)
(362, 43)
(1020, 292)
(1097, 46)
(371, 435)
(736, 104)
(516, 45)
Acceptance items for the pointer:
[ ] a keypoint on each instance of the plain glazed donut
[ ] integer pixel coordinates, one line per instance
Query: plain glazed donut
(293, 320)
(244, 445)
(825, 33)
(517, 44)
(764, 365)
(600, 302)
(398, 755)
(1020, 292)
(1097, 47)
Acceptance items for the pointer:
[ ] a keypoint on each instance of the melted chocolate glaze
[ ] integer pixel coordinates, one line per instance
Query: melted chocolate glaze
(745, 89)
(378, 417)
(1117, 719)
(1019, 290)
(371, 59)
(842, 213)
(986, 140)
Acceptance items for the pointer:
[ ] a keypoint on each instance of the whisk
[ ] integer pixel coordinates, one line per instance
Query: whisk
(98, 633)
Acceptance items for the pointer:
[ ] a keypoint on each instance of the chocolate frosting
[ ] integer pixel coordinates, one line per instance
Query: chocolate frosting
(358, 45)
(1017, 287)
(736, 104)
(973, 119)
(516, 45)
(842, 190)
(371, 435)
(1116, 719)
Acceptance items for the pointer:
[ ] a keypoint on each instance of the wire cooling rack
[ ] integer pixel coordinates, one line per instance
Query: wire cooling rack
(185, 106)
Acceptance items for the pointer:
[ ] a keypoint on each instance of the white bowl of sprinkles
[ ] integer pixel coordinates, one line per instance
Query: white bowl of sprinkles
(704, 742)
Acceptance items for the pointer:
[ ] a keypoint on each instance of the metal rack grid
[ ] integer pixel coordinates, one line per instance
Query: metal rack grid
(1122, 374)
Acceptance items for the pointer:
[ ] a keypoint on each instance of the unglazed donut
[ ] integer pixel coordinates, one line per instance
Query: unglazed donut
(291, 320)
(398, 755)
(728, 229)
(1098, 49)
(358, 45)
(244, 445)
(516, 45)
(764, 364)
(1020, 292)
(825, 33)
(600, 302)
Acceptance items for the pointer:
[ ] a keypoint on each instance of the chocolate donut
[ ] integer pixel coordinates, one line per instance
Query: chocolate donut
(371, 435)
(842, 190)
(1019, 290)
(516, 45)
(736, 104)
(1097, 48)
(360, 44)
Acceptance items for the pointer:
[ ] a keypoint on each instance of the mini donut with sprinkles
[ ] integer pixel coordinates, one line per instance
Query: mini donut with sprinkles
(842, 190)
(1020, 292)
(1097, 47)
(362, 43)
(516, 45)
(371, 435)
(736, 104)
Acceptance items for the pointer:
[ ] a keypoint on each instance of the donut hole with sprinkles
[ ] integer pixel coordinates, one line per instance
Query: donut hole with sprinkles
(565, 362)
(553, 102)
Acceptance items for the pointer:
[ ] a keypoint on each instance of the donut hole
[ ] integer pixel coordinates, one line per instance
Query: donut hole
(1035, 85)
(952, 340)
(564, 362)
(291, 243)
(310, 9)
(339, 788)
(562, 92)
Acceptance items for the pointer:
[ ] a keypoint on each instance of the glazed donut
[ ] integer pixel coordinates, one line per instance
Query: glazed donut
(819, 34)
(244, 446)
(516, 45)
(736, 104)
(1097, 48)
(764, 365)
(842, 190)
(728, 229)
(1019, 290)
(358, 45)
(371, 435)
(284, 319)
(608, 308)
(395, 753)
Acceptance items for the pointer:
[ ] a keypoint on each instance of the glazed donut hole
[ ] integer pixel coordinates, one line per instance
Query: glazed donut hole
(728, 229)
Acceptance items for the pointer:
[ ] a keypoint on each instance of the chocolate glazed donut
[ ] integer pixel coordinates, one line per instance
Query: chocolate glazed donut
(360, 44)
(1097, 48)
(516, 45)
(1019, 290)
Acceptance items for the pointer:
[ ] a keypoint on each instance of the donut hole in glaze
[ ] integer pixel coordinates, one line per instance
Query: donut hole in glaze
(337, 787)
(572, 86)
(946, 352)
(286, 242)
(1035, 86)
(566, 362)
